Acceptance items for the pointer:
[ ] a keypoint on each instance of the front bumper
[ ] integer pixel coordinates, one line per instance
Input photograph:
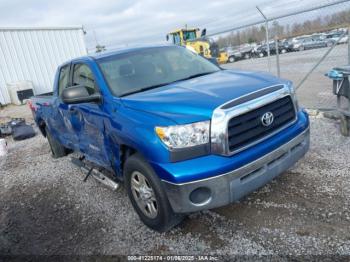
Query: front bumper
(230, 187)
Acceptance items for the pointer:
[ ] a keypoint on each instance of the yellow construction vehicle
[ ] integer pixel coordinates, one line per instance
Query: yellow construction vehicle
(196, 41)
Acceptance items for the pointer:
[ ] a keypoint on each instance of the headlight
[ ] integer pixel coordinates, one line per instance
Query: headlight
(182, 136)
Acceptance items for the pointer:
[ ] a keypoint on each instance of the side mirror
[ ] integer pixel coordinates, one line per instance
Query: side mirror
(79, 94)
(167, 37)
(204, 32)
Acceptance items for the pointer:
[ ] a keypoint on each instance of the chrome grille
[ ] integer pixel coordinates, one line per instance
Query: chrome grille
(247, 129)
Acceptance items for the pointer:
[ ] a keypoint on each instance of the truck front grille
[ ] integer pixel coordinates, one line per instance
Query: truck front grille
(247, 129)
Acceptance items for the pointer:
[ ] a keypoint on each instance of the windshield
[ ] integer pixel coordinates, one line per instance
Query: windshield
(189, 35)
(152, 67)
(336, 35)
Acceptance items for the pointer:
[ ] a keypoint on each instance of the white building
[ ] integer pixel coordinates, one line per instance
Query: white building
(33, 54)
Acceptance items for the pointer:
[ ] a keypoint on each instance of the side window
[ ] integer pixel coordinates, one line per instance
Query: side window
(176, 39)
(82, 75)
(63, 79)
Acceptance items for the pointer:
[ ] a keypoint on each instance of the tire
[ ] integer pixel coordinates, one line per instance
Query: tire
(261, 54)
(329, 44)
(283, 51)
(231, 59)
(152, 204)
(57, 149)
(301, 48)
(247, 56)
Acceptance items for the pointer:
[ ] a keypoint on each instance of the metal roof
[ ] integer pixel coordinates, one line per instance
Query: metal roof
(38, 28)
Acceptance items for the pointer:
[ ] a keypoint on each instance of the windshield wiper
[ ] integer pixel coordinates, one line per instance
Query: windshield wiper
(196, 75)
(144, 89)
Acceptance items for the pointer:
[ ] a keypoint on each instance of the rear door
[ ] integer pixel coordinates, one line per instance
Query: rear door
(60, 121)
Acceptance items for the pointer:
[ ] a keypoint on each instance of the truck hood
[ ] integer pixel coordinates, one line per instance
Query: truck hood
(195, 99)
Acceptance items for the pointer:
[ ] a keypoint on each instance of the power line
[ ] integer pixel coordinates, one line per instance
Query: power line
(269, 19)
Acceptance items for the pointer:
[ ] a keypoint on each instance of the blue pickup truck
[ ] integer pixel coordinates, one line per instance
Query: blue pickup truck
(180, 133)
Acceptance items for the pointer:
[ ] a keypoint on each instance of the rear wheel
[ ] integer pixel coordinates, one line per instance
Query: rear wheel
(261, 54)
(56, 148)
(147, 195)
(231, 59)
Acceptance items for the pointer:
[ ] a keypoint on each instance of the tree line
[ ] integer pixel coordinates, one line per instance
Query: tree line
(257, 34)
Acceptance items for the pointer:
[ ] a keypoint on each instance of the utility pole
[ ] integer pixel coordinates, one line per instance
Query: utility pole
(349, 45)
(277, 57)
(267, 37)
(99, 48)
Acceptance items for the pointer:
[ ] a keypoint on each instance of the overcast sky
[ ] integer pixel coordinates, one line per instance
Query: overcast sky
(117, 22)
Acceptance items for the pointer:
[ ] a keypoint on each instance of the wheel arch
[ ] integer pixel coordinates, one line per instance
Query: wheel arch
(119, 153)
(42, 126)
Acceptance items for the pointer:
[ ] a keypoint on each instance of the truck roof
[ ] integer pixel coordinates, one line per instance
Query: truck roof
(124, 50)
(183, 29)
(116, 51)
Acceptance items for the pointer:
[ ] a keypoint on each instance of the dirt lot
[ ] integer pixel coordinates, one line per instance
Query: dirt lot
(47, 209)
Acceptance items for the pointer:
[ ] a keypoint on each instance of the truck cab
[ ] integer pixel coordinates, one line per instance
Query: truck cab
(192, 39)
(180, 36)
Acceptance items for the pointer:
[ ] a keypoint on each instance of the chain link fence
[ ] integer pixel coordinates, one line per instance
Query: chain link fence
(301, 46)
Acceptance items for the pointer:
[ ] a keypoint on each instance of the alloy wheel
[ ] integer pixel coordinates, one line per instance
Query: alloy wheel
(143, 194)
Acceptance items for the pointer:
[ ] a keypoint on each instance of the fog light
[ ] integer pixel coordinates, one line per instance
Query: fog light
(200, 196)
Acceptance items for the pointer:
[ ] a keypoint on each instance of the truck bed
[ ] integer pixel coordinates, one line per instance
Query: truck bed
(38, 101)
(44, 95)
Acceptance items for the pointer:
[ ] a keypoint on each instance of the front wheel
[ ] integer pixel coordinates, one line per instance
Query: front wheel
(147, 195)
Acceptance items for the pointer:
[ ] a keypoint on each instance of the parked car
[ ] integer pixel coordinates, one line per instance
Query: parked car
(299, 39)
(314, 41)
(239, 53)
(182, 134)
(335, 36)
(261, 51)
(287, 44)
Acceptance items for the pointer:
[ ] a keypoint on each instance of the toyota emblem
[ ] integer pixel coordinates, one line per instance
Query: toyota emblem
(267, 119)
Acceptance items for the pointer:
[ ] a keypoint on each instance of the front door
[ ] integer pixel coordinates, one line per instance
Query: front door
(87, 119)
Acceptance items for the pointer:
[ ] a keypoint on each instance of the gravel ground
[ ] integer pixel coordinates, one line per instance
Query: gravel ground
(46, 209)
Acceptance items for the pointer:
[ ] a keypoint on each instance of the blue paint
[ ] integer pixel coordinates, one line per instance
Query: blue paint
(98, 130)
(213, 165)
